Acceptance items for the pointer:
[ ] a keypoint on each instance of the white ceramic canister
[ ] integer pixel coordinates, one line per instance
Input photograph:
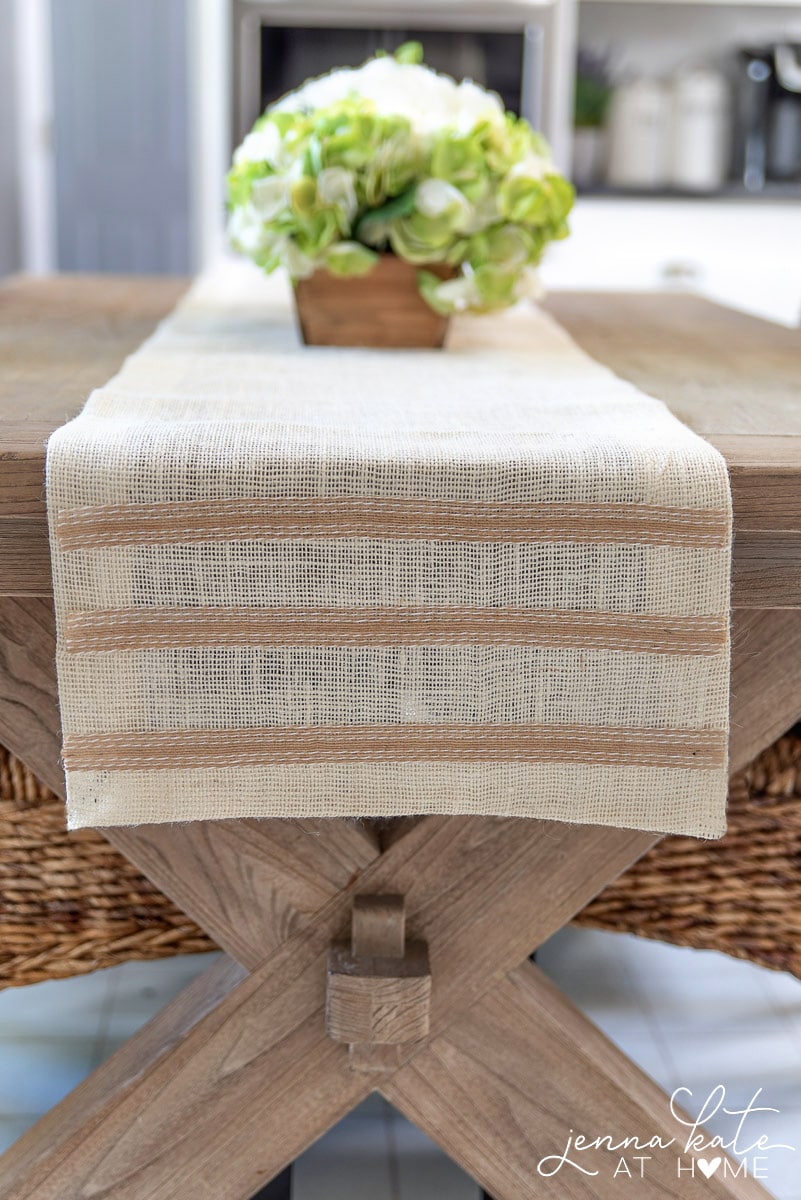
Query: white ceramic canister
(589, 152)
(701, 134)
(639, 136)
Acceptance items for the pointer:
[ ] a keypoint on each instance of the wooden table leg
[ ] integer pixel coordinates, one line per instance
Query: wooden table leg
(279, 1189)
(523, 1069)
(256, 1079)
(480, 893)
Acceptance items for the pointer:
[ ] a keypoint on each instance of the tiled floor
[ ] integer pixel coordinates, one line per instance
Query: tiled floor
(689, 1019)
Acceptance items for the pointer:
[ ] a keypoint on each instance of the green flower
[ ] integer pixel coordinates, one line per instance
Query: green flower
(436, 198)
(374, 226)
(336, 187)
(350, 258)
(393, 158)
(496, 285)
(240, 182)
(421, 239)
(545, 202)
(409, 52)
(316, 233)
(459, 158)
(303, 197)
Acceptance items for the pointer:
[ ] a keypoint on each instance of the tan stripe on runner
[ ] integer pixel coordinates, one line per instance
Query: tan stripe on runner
(298, 744)
(154, 628)
(306, 518)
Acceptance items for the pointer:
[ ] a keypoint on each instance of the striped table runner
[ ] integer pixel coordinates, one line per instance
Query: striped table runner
(296, 582)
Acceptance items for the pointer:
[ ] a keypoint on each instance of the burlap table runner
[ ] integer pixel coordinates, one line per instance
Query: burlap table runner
(302, 581)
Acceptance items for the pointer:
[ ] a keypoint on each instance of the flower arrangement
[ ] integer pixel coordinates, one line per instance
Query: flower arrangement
(392, 157)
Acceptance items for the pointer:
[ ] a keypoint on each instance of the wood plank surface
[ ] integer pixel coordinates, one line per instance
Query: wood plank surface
(60, 338)
(523, 1069)
(765, 681)
(731, 377)
(30, 725)
(723, 372)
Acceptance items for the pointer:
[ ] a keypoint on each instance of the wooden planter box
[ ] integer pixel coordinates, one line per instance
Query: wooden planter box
(383, 308)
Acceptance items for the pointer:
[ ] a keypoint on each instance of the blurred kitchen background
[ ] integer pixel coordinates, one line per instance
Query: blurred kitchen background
(679, 122)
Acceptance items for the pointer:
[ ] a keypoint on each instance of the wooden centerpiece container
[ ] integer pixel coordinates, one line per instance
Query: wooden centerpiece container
(383, 308)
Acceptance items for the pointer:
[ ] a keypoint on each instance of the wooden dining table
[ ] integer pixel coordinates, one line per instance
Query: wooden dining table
(438, 1005)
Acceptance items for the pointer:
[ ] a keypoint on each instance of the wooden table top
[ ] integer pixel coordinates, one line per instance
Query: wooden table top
(735, 379)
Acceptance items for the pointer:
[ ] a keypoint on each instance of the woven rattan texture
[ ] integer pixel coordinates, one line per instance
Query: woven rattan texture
(741, 895)
(69, 903)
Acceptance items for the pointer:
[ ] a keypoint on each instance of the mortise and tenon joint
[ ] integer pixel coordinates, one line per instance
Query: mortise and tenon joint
(379, 986)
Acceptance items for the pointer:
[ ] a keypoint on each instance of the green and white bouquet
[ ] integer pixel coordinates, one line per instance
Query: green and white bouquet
(393, 157)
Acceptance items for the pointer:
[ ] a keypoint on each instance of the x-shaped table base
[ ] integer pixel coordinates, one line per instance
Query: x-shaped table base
(234, 1079)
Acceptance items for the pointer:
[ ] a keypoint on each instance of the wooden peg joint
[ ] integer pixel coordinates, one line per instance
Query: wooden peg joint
(379, 986)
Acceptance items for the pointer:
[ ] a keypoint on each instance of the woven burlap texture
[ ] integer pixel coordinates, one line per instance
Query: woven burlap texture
(578, 531)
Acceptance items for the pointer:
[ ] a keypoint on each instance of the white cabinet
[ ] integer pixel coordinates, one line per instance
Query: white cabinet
(746, 254)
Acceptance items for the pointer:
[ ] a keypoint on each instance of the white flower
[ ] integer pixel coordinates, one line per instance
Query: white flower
(260, 145)
(483, 213)
(247, 231)
(434, 197)
(298, 264)
(270, 196)
(533, 166)
(460, 293)
(335, 185)
(476, 104)
(428, 100)
(510, 250)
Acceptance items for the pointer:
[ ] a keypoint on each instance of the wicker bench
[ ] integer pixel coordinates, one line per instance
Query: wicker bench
(70, 903)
